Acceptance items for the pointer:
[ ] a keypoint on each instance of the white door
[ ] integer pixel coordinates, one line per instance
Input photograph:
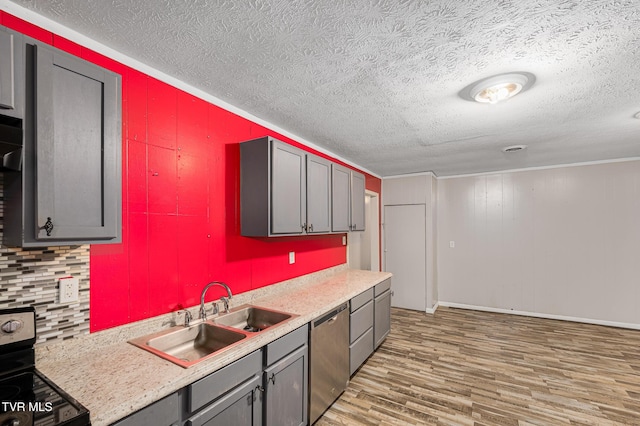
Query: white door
(405, 254)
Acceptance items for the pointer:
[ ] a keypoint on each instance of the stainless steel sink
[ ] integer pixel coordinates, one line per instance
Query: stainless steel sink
(252, 319)
(186, 346)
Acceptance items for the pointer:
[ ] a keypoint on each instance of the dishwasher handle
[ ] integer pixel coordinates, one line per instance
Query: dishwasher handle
(330, 316)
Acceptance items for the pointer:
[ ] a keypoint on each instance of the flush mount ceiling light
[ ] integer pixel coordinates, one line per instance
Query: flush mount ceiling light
(498, 88)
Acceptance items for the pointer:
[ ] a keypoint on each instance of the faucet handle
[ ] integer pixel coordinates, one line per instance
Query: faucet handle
(214, 308)
(225, 301)
(187, 317)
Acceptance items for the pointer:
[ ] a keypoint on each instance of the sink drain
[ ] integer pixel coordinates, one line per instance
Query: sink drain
(254, 329)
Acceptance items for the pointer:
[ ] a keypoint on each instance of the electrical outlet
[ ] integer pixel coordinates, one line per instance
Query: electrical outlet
(292, 257)
(344, 240)
(68, 289)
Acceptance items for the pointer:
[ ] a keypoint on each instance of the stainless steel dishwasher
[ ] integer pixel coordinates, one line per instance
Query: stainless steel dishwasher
(328, 359)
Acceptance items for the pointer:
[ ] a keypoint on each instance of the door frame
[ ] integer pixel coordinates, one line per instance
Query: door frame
(372, 210)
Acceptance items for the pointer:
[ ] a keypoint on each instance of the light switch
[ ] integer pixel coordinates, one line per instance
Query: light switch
(452, 244)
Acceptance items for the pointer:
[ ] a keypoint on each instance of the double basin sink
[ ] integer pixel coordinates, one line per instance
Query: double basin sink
(187, 346)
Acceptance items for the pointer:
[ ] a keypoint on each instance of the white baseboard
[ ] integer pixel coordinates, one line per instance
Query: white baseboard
(539, 315)
(434, 309)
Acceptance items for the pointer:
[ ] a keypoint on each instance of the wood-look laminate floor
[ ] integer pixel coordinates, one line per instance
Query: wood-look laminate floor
(461, 367)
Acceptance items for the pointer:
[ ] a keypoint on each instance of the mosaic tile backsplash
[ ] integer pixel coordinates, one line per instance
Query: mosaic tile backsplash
(30, 277)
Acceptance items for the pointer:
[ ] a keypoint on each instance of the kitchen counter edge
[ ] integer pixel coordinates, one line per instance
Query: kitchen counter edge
(113, 378)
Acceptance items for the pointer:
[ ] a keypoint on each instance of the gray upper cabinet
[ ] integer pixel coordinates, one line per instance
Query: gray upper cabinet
(357, 201)
(11, 73)
(71, 180)
(347, 207)
(283, 190)
(288, 189)
(340, 205)
(318, 195)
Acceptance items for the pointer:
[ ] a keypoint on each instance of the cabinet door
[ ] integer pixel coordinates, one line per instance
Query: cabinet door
(77, 146)
(288, 189)
(340, 188)
(357, 201)
(165, 412)
(7, 71)
(318, 195)
(285, 385)
(240, 407)
(382, 317)
(11, 73)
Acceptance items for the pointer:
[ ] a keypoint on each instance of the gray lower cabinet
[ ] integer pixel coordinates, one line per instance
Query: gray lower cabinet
(347, 205)
(165, 412)
(239, 407)
(229, 396)
(286, 380)
(69, 190)
(283, 190)
(382, 311)
(361, 329)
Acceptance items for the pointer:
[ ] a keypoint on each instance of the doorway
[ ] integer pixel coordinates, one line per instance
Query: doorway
(363, 249)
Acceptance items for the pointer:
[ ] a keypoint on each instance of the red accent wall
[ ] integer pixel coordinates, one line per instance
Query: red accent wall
(181, 204)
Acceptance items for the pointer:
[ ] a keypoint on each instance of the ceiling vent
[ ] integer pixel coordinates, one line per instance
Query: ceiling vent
(514, 148)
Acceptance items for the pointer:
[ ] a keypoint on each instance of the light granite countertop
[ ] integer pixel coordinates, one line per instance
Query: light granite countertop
(113, 378)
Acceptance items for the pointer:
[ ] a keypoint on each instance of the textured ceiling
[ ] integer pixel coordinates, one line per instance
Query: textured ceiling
(377, 81)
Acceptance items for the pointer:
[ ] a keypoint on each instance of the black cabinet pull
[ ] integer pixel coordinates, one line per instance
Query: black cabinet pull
(48, 226)
(272, 378)
(311, 227)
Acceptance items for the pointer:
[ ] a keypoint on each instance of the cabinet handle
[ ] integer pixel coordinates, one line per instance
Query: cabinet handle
(259, 389)
(48, 226)
(304, 226)
(311, 227)
(272, 378)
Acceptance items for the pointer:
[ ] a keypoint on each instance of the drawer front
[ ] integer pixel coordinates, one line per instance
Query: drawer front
(382, 287)
(360, 350)
(287, 344)
(361, 299)
(214, 385)
(164, 412)
(238, 408)
(361, 321)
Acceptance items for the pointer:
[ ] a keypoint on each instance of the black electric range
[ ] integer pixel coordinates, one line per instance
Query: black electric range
(27, 397)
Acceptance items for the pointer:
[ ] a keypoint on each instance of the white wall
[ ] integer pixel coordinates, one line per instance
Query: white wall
(558, 242)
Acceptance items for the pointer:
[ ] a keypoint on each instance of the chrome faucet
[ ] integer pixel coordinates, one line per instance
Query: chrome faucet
(187, 317)
(203, 310)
